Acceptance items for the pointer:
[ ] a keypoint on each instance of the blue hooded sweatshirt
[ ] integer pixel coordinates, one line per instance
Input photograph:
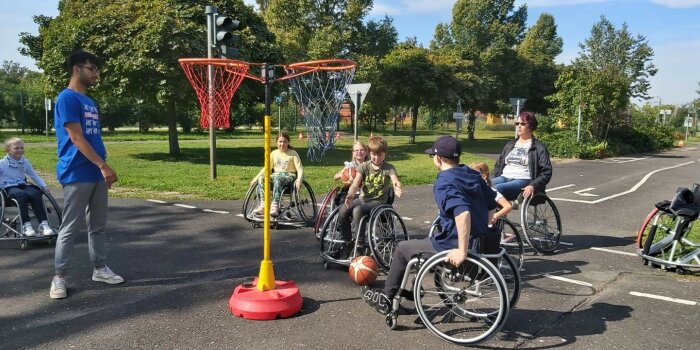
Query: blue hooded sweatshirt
(457, 190)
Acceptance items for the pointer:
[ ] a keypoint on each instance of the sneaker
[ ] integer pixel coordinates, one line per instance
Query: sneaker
(274, 209)
(45, 229)
(376, 299)
(27, 230)
(58, 288)
(260, 209)
(106, 275)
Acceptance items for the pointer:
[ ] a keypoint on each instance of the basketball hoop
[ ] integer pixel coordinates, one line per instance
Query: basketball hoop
(319, 87)
(226, 76)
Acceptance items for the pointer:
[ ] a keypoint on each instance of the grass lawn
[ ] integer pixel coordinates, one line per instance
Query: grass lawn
(147, 171)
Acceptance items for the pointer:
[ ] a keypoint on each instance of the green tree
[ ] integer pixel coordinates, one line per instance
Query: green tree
(140, 43)
(485, 33)
(612, 68)
(538, 50)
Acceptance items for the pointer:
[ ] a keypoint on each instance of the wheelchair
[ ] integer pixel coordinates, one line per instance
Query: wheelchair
(332, 200)
(381, 231)
(668, 237)
(540, 222)
(11, 226)
(465, 305)
(296, 207)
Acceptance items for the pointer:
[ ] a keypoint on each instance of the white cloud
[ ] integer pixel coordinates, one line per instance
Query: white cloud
(411, 6)
(380, 9)
(677, 3)
(552, 3)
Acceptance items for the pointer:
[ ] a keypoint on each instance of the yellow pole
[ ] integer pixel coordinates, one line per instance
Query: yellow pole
(266, 277)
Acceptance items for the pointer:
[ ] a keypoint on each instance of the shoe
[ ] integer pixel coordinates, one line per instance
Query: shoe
(274, 209)
(45, 229)
(106, 275)
(27, 230)
(260, 209)
(376, 299)
(58, 288)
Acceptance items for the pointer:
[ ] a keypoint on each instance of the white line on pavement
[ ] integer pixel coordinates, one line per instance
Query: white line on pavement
(614, 251)
(185, 206)
(634, 188)
(156, 201)
(559, 188)
(427, 222)
(661, 297)
(215, 211)
(566, 243)
(569, 280)
(405, 218)
(241, 215)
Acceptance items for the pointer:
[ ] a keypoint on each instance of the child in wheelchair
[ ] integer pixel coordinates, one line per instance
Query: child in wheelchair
(14, 169)
(347, 174)
(375, 178)
(287, 169)
(505, 204)
(464, 201)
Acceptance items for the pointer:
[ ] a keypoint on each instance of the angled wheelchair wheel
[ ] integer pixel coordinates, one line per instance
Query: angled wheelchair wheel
(327, 206)
(510, 270)
(252, 201)
(386, 231)
(466, 305)
(305, 203)
(657, 232)
(331, 239)
(541, 223)
(511, 240)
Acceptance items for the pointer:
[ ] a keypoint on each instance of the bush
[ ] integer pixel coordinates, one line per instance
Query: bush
(563, 144)
(500, 127)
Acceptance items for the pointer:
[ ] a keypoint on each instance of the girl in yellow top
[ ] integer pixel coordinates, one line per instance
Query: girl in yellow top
(286, 168)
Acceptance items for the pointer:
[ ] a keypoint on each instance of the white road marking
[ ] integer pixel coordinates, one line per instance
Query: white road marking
(427, 222)
(688, 149)
(566, 243)
(405, 218)
(156, 201)
(215, 211)
(661, 297)
(241, 215)
(581, 192)
(559, 188)
(184, 206)
(620, 160)
(634, 188)
(614, 251)
(569, 280)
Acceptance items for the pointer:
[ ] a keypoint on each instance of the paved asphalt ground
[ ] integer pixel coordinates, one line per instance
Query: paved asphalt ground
(181, 264)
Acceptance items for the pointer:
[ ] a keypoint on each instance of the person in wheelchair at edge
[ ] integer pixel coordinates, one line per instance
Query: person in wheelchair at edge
(375, 178)
(464, 201)
(524, 164)
(359, 156)
(287, 168)
(14, 169)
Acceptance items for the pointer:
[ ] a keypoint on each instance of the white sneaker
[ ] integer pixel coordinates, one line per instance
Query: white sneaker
(106, 275)
(58, 288)
(27, 230)
(45, 229)
(260, 209)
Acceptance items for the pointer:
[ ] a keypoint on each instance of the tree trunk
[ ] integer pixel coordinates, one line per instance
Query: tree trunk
(414, 124)
(471, 126)
(172, 128)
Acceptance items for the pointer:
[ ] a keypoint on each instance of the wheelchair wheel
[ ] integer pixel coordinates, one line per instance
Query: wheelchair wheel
(541, 223)
(305, 203)
(464, 305)
(331, 242)
(326, 208)
(510, 271)
(251, 202)
(511, 240)
(387, 230)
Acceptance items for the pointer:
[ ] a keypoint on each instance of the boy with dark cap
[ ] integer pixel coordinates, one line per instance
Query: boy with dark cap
(463, 199)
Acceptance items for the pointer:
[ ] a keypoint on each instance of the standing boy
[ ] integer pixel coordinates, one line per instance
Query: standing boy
(83, 172)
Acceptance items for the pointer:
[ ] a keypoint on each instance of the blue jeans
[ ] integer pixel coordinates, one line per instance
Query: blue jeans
(24, 195)
(509, 188)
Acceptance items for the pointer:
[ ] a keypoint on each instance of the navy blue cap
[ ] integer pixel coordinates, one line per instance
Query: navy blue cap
(445, 146)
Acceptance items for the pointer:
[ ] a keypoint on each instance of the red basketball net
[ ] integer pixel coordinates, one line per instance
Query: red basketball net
(215, 101)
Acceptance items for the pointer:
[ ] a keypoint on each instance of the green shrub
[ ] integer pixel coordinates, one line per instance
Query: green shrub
(500, 127)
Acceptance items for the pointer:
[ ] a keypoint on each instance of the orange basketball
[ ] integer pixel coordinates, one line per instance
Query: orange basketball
(347, 173)
(363, 270)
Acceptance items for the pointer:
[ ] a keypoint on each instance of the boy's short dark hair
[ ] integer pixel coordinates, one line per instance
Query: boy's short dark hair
(80, 57)
(377, 144)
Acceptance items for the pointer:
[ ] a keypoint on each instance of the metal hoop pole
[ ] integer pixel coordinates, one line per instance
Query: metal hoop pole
(211, 12)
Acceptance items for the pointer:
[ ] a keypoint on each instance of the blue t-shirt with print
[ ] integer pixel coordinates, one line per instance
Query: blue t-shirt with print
(72, 166)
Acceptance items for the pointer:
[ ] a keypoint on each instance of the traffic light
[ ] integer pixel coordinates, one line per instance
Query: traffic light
(224, 36)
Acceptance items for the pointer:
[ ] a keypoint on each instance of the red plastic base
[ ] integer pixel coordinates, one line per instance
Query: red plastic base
(250, 303)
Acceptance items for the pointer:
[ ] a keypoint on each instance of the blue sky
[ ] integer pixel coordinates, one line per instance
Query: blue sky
(672, 28)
